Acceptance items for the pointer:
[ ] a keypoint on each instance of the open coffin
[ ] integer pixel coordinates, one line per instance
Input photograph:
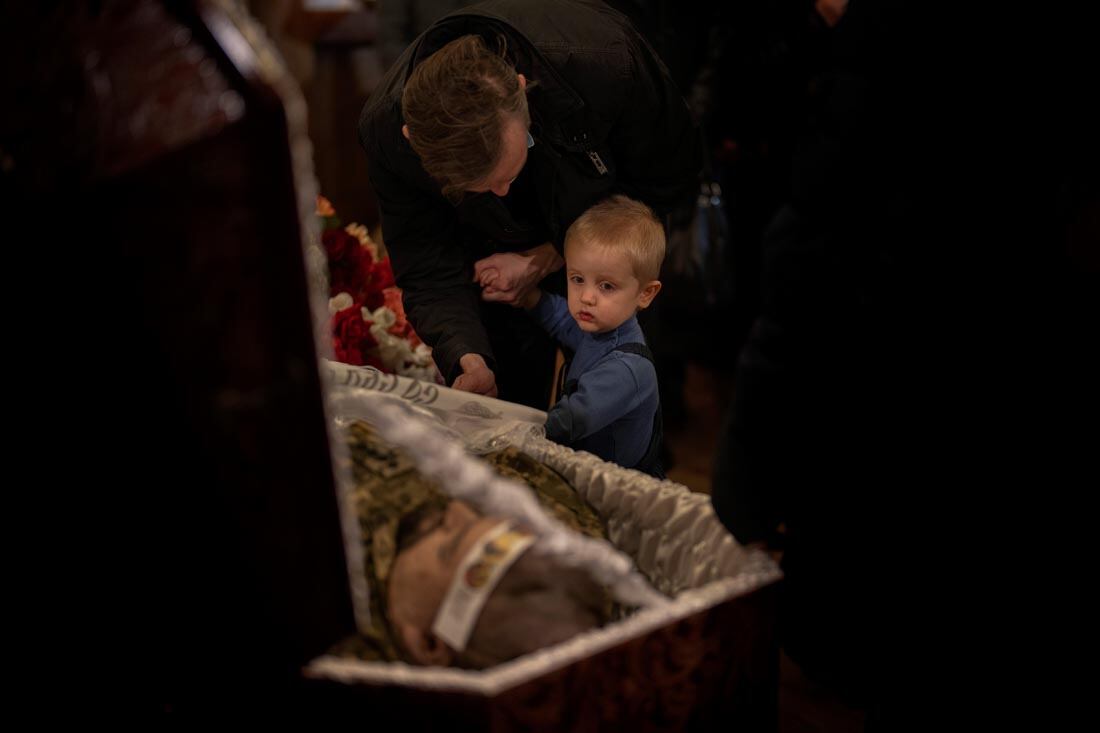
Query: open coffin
(705, 658)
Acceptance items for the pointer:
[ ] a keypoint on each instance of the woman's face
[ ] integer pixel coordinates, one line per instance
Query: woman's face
(515, 140)
(512, 159)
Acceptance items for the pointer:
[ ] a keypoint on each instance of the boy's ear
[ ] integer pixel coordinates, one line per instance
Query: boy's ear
(648, 293)
(405, 131)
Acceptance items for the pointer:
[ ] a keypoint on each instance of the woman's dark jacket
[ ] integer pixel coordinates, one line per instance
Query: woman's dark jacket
(606, 119)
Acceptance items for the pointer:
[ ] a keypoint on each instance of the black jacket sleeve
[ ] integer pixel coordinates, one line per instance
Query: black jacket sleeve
(429, 265)
(656, 141)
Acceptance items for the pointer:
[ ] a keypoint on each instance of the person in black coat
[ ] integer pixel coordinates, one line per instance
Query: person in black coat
(491, 134)
(919, 350)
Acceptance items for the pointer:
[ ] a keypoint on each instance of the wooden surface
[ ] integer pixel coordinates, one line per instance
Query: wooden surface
(199, 397)
(715, 670)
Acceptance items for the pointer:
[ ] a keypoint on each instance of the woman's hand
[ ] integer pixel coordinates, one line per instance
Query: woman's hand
(508, 277)
(476, 376)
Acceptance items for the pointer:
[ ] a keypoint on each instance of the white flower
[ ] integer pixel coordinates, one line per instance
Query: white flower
(339, 303)
(391, 349)
(423, 355)
(382, 316)
(360, 232)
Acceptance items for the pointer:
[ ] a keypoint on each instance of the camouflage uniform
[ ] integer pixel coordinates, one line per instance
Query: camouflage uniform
(387, 487)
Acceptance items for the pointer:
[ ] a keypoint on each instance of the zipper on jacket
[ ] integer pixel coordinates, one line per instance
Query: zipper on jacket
(597, 161)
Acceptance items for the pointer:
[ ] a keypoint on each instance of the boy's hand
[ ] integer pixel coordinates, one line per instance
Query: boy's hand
(476, 376)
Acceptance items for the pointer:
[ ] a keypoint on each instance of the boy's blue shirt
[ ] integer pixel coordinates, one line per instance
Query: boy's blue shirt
(611, 413)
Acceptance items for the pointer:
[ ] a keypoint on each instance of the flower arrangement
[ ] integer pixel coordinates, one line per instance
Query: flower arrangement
(367, 318)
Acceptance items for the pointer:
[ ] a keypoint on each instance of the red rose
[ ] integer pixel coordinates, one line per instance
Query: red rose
(377, 277)
(348, 264)
(382, 275)
(338, 244)
(351, 336)
(401, 326)
(391, 298)
(350, 275)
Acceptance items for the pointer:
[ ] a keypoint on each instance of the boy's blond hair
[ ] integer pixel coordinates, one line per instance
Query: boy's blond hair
(620, 222)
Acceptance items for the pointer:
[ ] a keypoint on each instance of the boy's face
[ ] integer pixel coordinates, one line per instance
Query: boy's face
(603, 290)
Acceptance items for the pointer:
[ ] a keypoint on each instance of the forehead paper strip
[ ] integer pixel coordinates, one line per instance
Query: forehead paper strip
(478, 574)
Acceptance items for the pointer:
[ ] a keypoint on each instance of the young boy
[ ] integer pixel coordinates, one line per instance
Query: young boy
(609, 404)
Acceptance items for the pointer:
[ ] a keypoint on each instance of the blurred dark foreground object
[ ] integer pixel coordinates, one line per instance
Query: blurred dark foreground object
(166, 138)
